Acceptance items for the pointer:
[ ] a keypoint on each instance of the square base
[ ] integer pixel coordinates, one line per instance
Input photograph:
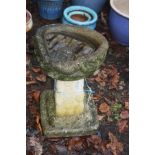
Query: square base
(80, 125)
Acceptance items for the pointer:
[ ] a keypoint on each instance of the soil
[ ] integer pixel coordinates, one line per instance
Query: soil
(110, 84)
(78, 17)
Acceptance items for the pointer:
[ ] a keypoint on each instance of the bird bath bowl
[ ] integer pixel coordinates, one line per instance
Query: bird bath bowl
(69, 54)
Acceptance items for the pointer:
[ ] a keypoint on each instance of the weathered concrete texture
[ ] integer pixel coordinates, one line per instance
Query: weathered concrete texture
(69, 97)
(69, 53)
(54, 126)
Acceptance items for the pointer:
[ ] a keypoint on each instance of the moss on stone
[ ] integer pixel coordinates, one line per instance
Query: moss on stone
(74, 69)
(55, 126)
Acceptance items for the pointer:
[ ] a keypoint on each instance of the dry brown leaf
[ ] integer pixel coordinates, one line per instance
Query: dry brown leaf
(33, 141)
(104, 74)
(96, 97)
(41, 78)
(98, 79)
(29, 76)
(127, 105)
(31, 82)
(111, 70)
(36, 95)
(104, 107)
(53, 149)
(38, 123)
(28, 73)
(75, 144)
(95, 139)
(111, 76)
(114, 144)
(124, 114)
(99, 117)
(115, 80)
(122, 125)
(33, 110)
(36, 69)
(102, 84)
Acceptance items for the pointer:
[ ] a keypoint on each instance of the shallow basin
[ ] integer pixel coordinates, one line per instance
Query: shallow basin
(68, 52)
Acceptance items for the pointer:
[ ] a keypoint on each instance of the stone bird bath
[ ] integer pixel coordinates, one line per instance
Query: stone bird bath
(69, 54)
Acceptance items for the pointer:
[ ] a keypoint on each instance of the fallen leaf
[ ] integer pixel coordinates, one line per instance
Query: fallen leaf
(31, 82)
(96, 97)
(98, 79)
(33, 110)
(95, 141)
(53, 149)
(102, 84)
(112, 76)
(38, 123)
(127, 105)
(104, 74)
(124, 114)
(99, 117)
(36, 95)
(122, 125)
(104, 107)
(28, 73)
(96, 72)
(29, 76)
(114, 144)
(36, 69)
(111, 70)
(41, 78)
(34, 142)
(75, 144)
(115, 80)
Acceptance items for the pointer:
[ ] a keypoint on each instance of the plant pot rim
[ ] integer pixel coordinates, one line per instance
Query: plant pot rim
(113, 6)
(80, 8)
(29, 14)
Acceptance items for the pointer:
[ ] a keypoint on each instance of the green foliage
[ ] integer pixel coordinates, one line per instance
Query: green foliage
(115, 109)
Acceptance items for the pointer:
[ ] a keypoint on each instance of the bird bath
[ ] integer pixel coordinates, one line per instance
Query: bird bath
(69, 54)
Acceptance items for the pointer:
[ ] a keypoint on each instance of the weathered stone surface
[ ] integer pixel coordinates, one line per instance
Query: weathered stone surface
(54, 126)
(68, 52)
(69, 97)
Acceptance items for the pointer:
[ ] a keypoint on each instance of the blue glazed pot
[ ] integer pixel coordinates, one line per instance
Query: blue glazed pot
(50, 9)
(119, 25)
(34, 1)
(96, 5)
(89, 14)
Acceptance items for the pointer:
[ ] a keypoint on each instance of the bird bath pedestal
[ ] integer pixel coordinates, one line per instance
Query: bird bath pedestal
(69, 54)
